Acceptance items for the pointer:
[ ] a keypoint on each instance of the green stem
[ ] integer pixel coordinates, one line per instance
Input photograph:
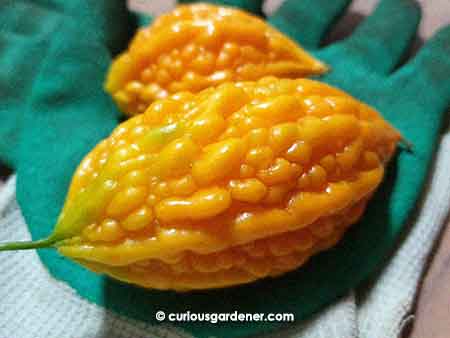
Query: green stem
(42, 243)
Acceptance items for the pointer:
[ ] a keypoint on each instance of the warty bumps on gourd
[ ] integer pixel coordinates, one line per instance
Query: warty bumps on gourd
(197, 46)
(238, 182)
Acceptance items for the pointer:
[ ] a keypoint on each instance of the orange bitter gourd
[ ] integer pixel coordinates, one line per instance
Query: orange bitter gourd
(235, 183)
(198, 46)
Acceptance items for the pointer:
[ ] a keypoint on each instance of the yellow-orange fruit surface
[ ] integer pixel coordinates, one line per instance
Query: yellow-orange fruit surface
(235, 183)
(198, 46)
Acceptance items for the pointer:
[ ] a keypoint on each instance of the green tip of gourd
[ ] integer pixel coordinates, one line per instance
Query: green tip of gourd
(27, 245)
(407, 145)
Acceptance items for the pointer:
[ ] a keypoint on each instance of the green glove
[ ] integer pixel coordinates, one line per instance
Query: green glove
(54, 111)
(254, 6)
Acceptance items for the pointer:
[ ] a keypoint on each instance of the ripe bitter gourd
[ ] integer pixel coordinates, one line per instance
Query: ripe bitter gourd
(232, 184)
(198, 46)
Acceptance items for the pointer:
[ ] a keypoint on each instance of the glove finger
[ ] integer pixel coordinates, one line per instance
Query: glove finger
(253, 6)
(22, 45)
(66, 113)
(12, 62)
(308, 21)
(101, 17)
(144, 19)
(98, 17)
(381, 40)
(426, 77)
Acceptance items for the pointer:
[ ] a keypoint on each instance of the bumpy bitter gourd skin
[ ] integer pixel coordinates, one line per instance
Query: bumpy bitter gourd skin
(198, 46)
(227, 186)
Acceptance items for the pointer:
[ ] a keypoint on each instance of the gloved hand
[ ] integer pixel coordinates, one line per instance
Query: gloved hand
(54, 110)
(414, 97)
